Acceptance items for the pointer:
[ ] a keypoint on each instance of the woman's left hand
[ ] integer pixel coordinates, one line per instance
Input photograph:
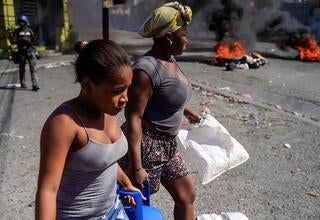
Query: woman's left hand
(192, 116)
(128, 201)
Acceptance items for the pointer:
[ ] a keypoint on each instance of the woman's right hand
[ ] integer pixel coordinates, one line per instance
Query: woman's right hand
(140, 176)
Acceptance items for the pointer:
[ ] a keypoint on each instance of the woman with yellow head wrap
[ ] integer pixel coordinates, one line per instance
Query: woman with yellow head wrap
(168, 18)
(157, 102)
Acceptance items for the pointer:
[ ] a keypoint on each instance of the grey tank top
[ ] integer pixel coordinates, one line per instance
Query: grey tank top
(165, 108)
(88, 185)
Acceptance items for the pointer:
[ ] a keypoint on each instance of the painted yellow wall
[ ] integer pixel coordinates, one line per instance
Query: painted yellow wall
(63, 33)
(7, 21)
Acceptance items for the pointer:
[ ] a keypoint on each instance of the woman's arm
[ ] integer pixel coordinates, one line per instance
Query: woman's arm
(56, 138)
(191, 115)
(123, 179)
(126, 185)
(139, 94)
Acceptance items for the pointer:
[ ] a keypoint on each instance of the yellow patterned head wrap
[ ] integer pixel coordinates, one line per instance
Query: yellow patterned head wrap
(167, 18)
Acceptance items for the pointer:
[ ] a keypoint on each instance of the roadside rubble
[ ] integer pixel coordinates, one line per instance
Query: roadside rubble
(251, 61)
(232, 55)
(234, 97)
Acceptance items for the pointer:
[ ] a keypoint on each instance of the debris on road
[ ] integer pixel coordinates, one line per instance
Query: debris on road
(55, 65)
(14, 85)
(298, 114)
(317, 119)
(226, 215)
(232, 55)
(286, 145)
(314, 194)
(253, 120)
(11, 135)
(279, 107)
(247, 98)
(225, 89)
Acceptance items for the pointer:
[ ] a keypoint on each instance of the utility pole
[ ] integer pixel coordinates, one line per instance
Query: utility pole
(106, 4)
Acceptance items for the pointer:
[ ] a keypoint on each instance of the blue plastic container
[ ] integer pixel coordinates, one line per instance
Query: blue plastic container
(142, 210)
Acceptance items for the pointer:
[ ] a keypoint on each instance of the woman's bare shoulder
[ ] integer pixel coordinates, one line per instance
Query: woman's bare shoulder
(61, 118)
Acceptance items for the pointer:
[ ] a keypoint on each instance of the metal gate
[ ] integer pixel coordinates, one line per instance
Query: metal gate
(301, 10)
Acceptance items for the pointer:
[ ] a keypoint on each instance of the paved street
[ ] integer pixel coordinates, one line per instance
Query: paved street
(275, 183)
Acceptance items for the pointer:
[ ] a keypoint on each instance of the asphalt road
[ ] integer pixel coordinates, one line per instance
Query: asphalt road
(275, 183)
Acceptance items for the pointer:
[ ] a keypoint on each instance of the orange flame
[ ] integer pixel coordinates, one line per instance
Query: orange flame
(308, 49)
(229, 51)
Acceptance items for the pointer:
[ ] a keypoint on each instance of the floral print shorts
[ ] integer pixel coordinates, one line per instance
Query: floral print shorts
(159, 157)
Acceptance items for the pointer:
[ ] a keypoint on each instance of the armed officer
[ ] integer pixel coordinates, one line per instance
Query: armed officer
(24, 37)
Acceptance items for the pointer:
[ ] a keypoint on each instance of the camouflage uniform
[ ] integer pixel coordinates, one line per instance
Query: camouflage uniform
(23, 37)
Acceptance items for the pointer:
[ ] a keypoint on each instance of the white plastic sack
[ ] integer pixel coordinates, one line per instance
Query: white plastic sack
(214, 149)
(223, 216)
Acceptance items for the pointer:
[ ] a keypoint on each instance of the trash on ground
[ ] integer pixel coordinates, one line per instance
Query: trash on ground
(210, 93)
(232, 55)
(244, 63)
(54, 65)
(286, 145)
(14, 85)
(314, 194)
(247, 98)
(297, 114)
(279, 107)
(206, 110)
(196, 88)
(225, 89)
(223, 216)
(253, 120)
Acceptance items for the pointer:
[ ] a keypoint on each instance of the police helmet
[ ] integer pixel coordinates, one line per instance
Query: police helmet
(23, 18)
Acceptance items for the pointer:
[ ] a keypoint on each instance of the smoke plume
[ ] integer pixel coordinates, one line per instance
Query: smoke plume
(247, 20)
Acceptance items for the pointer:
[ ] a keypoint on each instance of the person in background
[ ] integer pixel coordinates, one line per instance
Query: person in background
(81, 141)
(158, 98)
(24, 37)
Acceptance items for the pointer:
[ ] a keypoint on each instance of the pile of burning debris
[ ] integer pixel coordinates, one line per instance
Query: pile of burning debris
(307, 48)
(232, 56)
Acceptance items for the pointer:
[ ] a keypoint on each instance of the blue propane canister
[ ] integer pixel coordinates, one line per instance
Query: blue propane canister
(142, 210)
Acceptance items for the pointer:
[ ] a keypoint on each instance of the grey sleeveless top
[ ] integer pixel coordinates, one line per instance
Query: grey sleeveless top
(88, 185)
(170, 95)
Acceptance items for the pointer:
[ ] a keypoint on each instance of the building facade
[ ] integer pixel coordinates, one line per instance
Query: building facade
(48, 18)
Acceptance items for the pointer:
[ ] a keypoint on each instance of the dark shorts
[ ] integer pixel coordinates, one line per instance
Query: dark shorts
(159, 157)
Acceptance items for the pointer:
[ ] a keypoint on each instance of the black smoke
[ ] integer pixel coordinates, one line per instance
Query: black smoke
(247, 20)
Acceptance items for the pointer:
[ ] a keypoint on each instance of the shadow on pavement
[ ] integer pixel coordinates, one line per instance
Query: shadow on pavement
(11, 88)
(6, 101)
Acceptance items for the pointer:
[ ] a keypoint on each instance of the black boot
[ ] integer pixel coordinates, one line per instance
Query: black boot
(23, 86)
(35, 88)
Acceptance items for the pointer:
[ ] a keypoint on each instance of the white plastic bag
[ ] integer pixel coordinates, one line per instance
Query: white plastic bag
(224, 216)
(214, 149)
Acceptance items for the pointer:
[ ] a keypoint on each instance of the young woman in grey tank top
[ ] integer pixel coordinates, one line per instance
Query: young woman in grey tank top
(81, 140)
(157, 103)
